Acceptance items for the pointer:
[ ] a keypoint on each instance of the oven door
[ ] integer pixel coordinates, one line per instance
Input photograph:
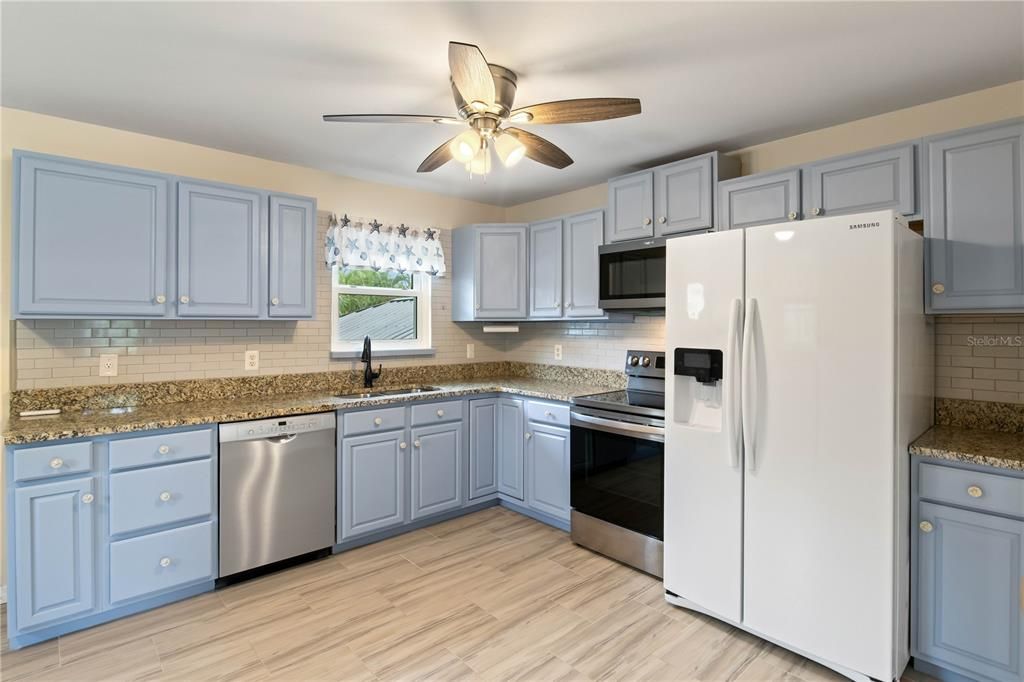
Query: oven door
(618, 472)
(632, 275)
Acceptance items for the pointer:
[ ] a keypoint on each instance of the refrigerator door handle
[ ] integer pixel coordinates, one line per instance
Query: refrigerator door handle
(749, 407)
(735, 349)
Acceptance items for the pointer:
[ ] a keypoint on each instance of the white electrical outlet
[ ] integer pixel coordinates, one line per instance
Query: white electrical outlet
(108, 365)
(252, 360)
(470, 351)
(558, 351)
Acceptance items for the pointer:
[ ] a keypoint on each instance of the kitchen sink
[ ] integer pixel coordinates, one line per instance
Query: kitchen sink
(377, 393)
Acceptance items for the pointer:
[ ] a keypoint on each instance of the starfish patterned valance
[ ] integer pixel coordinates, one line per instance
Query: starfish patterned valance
(354, 243)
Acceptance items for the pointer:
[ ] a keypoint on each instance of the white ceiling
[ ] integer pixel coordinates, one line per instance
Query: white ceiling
(255, 78)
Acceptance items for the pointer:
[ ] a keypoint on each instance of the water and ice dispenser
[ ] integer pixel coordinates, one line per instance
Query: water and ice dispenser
(698, 387)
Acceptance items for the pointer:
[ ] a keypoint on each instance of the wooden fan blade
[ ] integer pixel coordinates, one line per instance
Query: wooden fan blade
(470, 73)
(436, 159)
(577, 110)
(388, 118)
(540, 150)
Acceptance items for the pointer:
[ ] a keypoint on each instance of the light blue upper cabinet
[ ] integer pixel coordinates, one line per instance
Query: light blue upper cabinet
(683, 193)
(90, 240)
(372, 488)
(436, 469)
(292, 232)
(869, 181)
(220, 248)
(583, 233)
(759, 200)
(974, 220)
(547, 469)
(511, 455)
(501, 272)
(545, 269)
(969, 592)
(54, 541)
(630, 206)
(483, 447)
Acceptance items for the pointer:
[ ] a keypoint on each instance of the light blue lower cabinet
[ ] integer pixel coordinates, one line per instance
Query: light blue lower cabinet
(511, 448)
(54, 535)
(371, 486)
(483, 447)
(158, 562)
(436, 469)
(547, 469)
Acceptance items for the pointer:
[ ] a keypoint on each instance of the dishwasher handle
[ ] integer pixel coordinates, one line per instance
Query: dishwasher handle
(282, 439)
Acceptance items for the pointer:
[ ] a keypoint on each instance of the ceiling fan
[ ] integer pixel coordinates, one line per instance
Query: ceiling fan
(484, 94)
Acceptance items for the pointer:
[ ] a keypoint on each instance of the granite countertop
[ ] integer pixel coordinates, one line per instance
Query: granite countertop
(972, 446)
(82, 423)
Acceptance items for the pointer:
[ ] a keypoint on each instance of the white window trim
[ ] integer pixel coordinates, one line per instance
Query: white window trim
(421, 285)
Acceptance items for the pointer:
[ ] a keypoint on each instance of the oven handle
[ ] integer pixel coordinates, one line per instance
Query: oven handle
(622, 428)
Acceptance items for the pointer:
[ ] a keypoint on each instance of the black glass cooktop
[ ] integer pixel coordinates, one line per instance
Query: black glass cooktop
(639, 402)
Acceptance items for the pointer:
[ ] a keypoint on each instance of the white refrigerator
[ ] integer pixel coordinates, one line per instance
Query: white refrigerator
(799, 368)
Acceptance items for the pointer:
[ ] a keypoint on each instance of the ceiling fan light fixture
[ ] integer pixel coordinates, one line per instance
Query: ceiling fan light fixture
(510, 150)
(478, 105)
(481, 163)
(465, 146)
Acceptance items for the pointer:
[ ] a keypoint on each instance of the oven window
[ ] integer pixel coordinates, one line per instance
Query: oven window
(618, 479)
(633, 274)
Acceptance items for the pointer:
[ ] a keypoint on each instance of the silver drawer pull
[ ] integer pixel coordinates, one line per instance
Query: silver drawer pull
(403, 445)
(56, 463)
(161, 298)
(87, 498)
(440, 413)
(975, 491)
(549, 414)
(791, 215)
(163, 449)
(274, 301)
(377, 421)
(165, 561)
(165, 496)
(528, 435)
(925, 526)
(416, 443)
(183, 299)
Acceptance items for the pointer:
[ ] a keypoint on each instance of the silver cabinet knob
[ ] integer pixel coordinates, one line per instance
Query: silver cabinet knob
(528, 435)
(165, 561)
(161, 298)
(571, 305)
(647, 221)
(662, 220)
(416, 443)
(975, 491)
(556, 303)
(377, 421)
(938, 288)
(165, 496)
(403, 445)
(183, 299)
(549, 414)
(274, 301)
(440, 413)
(163, 449)
(818, 211)
(478, 306)
(87, 498)
(925, 527)
(791, 215)
(56, 463)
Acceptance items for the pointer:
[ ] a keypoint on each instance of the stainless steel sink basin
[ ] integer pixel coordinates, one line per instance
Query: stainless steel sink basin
(378, 393)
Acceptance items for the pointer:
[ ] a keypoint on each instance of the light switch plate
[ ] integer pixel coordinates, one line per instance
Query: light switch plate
(470, 351)
(558, 351)
(108, 365)
(252, 360)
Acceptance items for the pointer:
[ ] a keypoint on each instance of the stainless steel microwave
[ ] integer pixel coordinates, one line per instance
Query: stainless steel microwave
(633, 275)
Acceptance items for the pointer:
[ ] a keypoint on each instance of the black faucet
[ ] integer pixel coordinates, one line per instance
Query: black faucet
(367, 359)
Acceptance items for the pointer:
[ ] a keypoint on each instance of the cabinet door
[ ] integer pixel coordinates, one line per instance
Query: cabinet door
(371, 493)
(584, 233)
(871, 181)
(759, 200)
(683, 196)
(220, 249)
(89, 240)
(54, 536)
(500, 281)
(969, 591)
(511, 460)
(630, 207)
(545, 270)
(547, 469)
(436, 469)
(292, 275)
(483, 447)
(974, 219)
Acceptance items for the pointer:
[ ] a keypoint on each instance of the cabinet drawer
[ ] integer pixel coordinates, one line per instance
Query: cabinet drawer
(52, 460)
(373, 420)
(989, 492)
(160, 561)
(157, 496)
(169, 447)
(435, 413)
(547, 413)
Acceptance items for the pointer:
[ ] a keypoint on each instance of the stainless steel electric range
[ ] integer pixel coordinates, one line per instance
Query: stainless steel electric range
(618, 466)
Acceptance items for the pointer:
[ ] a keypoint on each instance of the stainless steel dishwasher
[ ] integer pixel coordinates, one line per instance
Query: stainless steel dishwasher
(277, 490)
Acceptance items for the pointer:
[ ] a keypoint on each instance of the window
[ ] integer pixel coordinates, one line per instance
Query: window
(392, 309)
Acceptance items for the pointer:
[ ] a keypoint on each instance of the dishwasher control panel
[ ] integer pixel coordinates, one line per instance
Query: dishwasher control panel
(280, 426)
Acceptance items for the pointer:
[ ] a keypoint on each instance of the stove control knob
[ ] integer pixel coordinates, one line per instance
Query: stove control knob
(646, 362)
(634, 360)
